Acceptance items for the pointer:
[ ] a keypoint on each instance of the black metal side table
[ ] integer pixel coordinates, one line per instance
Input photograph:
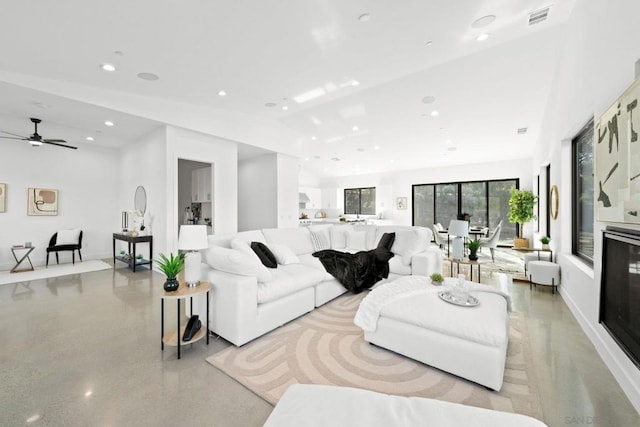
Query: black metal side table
(25, 256)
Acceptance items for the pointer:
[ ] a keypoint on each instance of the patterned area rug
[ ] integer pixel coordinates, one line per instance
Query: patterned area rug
(325, 347)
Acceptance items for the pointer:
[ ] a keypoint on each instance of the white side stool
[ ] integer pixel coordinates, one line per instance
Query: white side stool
(544, 256)
(544, 273)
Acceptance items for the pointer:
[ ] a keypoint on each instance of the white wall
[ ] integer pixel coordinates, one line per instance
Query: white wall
(288, 168)
(391, 186)
(258, 193)
(87, 182)
(596, 66)
(142, 163)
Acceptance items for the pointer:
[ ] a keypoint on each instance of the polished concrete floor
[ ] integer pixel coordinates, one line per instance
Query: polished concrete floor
(84, 350)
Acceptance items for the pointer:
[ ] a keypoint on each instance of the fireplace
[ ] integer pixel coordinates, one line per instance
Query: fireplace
(620, 289)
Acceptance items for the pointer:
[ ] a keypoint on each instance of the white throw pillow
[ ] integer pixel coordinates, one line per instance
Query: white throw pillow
(244, 247)
(407, 243)
(357, 240)
(67, 237)
(283, 254)
(236, 262)
(319, 239)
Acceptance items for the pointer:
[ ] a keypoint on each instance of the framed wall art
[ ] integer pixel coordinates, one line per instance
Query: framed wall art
(401, 203)
(3, 197)
(42, 202)
(617, 151)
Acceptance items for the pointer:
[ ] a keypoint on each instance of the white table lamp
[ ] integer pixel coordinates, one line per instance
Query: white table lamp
(192, 239)
(459, 229)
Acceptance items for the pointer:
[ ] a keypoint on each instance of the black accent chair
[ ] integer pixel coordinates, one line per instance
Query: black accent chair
(57, 248)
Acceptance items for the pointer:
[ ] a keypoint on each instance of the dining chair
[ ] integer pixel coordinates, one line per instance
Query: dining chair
(491, 242)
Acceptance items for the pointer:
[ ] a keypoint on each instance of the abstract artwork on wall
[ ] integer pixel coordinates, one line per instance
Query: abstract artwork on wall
(3, 197)
(617, 181)
(42, 201)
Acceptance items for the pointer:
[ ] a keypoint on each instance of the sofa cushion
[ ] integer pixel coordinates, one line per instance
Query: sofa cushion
(288, 279)
(267, 258)
(396, 266)
(236, 262)
(370, 234)
(339, 236)
(283, 254)
(225, 239)
(408, 242)
(296, 239)
(311, 261)
(357, 240)
(242, 246)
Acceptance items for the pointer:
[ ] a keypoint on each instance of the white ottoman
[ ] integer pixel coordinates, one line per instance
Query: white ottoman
(544, 256)
(544, 273)
(470, 342)
(321, 406)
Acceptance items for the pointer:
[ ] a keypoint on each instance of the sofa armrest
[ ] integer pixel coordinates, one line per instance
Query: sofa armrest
(427, 262)
(233, 304)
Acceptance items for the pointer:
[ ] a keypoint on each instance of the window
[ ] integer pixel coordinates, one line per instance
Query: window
(487, 202)
(360, 201)
(582, 194)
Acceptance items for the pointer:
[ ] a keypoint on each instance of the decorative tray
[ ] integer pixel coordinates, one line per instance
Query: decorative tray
(450, 298)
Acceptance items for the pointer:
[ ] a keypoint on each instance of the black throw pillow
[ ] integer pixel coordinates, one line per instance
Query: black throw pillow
(267, 257)
(386, 241)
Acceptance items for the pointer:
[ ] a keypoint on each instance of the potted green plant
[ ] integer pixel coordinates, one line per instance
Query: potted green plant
(521, 204)
(545, 242)
(436, 279)
(474, 245)
(171, 266)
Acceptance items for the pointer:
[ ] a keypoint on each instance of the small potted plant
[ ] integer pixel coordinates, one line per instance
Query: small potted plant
(171, 266)
(474, 245)
(436, 279)
(545, 242)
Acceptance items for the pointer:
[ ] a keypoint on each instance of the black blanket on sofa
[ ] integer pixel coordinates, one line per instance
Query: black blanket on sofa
(358, 271)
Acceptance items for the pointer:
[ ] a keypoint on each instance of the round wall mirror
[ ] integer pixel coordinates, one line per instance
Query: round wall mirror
(140, 200)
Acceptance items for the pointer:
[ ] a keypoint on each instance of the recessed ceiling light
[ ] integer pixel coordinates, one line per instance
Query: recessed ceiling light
(222, 93)
(270, 104)
(108, 123)
(448, 142)
(355, 83)
(392, 161)
(434, 113)
(107, 67)
(355, 128)
(148, 76)
(313, 138)
(483, 22)
(306, 159)
(377, 147)
(429, 43)
(365, 17)
(284, 107)
(428, 99)
(88, 393)
(33, 418)
(89, 138)
(482, 37)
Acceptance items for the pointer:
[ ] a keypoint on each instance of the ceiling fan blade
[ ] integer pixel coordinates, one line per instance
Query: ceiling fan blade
(53, 140)
(12, 137)
(9, 133)
(48, 141)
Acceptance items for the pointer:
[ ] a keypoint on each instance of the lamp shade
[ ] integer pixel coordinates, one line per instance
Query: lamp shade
(459, 228)
(193, 237)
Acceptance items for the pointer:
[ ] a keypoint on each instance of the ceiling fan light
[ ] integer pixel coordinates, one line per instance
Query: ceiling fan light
(35, 143)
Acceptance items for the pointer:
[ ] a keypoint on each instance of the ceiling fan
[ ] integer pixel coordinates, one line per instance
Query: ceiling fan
(36, 139)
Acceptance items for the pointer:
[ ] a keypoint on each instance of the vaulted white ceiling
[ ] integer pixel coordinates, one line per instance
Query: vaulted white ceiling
(352, 85)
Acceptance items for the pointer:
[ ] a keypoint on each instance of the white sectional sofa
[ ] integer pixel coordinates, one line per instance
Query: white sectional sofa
(249, 300)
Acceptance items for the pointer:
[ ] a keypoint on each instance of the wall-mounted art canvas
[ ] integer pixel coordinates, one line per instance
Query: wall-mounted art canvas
(3, 197)
(617, 154)
(42, 201)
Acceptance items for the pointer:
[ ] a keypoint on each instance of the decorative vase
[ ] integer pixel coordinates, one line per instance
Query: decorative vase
(473, 255)
(171, 285)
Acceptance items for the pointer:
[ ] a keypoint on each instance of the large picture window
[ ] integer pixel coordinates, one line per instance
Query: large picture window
(582, 193)
(360, 201)
(487, 203)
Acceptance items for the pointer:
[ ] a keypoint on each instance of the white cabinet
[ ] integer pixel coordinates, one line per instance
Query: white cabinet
(201, 185)
(315, 197)
(330, 199)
